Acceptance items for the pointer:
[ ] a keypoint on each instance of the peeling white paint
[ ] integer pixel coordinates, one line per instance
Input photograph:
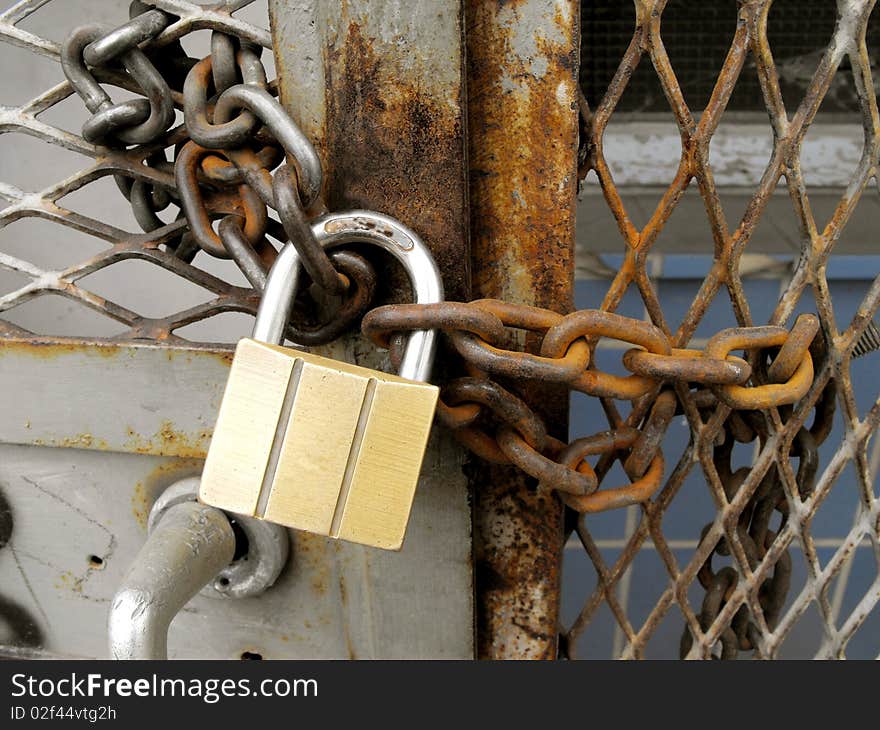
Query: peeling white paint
(563, 94)
(528, 29)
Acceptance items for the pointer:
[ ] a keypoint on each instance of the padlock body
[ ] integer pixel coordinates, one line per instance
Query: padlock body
(318, 445)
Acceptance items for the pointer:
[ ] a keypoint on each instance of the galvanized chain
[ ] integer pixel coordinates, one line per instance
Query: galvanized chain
(226, 158)
(133, 122)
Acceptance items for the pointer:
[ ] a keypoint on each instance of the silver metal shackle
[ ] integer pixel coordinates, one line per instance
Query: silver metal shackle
(367, 227)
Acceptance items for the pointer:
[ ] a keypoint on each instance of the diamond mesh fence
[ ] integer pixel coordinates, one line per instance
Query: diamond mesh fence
(690, 553)
(735, 595)
(115, 281)
(697, 37)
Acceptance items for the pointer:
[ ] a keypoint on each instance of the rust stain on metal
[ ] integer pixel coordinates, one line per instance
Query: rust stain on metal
(312, 555)
(61, 355)
(522, 142)
(68, 581)
(396, 145)
(166, 441)
(156, 481)
(522, 126)
(77, 441)
(169, 441)
(50, 347)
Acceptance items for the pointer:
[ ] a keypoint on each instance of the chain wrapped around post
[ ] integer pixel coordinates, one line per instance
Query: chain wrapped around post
(488, 418)
(238, 154)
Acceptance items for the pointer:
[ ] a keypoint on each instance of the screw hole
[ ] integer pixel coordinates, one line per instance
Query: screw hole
(251, 656)
(96, 562)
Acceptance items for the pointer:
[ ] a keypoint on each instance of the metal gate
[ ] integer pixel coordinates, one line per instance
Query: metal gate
(738, 610)
(720, 170)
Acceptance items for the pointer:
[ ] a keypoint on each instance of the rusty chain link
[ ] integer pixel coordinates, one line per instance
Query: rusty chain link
(238, 154)
(753, 528)
(495, 424)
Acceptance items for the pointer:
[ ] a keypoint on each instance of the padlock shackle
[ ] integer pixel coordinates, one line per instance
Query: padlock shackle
(367, 227)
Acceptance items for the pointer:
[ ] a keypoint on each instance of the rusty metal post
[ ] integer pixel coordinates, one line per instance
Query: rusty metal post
(522, 129)
(379, 88)
(388, 115)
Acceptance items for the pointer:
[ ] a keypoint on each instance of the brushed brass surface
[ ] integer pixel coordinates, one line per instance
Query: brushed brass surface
(315, 449)
(318, 445)
(388, 464)
(245, 429)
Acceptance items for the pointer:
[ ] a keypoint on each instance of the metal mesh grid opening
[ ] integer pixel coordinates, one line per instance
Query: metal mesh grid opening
(739, 63)
(820, 595)
(113, 282)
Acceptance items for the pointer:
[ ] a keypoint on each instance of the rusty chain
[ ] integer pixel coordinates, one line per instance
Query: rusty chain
(236, 155)
(494, 423)
(239, 154)
(753, 529)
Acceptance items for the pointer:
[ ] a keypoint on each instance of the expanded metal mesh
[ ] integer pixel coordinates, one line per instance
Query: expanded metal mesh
(697, 37)
(836, 78)
(86, 200)
(814, 593)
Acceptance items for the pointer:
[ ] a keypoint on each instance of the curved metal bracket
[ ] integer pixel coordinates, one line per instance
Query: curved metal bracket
(187, 548)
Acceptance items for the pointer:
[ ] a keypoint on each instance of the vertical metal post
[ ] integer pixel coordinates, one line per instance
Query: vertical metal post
(522, 129)
(379, 88)
(383, 99)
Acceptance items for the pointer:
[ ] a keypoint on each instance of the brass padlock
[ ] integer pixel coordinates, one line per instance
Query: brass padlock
(320, 445)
